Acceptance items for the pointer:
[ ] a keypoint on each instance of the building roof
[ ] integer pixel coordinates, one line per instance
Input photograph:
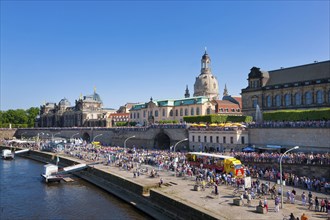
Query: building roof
(226, 104)
(313, 71)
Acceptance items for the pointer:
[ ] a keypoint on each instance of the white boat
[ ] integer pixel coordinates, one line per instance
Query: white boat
(7, 154)
(50, 173)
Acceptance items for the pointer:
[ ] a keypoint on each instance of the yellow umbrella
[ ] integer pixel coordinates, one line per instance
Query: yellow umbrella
(202, 125)
(213, 125)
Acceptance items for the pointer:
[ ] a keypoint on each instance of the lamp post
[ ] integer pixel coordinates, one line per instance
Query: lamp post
(127, 140)
(179, 143)
(53, 135)
(96, 137)
(281, 180)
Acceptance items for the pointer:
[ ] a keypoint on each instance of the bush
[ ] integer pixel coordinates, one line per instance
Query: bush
(217, 118)
(297, 115)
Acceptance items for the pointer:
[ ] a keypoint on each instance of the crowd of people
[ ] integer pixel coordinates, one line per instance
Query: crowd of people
(291, 124)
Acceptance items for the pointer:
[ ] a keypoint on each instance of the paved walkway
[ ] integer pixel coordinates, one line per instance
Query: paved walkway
(181, 188)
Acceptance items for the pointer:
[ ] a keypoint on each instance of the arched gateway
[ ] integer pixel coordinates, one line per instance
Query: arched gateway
(162, 141)
(86, 137)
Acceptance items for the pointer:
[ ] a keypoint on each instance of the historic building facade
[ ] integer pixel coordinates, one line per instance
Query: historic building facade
(87, 112)
(300, 87)
(205, 101)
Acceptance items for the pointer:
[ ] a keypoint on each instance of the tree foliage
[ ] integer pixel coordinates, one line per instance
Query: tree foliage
(297, 115)
(217, 118)
(18, 118)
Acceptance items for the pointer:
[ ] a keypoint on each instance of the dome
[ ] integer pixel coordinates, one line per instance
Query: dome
(64, 102)
(97, 97)
(205, 56)
(206, 85)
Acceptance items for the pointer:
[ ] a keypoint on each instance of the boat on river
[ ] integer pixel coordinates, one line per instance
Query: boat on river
(50, 173)
(7, 154)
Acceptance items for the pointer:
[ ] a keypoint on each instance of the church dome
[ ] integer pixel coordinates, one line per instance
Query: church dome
(206, 83)
(97, 97)
(64, 103)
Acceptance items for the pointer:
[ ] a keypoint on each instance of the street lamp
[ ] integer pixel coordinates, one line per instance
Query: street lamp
(281, 180)
(179, 142)
(53, 135)
(127, 139)
(74, 135)
(96, 137)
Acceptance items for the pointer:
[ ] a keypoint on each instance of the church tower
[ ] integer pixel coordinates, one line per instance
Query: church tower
(187, 94)
(206, 84)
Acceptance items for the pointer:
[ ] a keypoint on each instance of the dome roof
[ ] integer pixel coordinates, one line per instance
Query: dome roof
(97, 97)
(64, 102)
(206, 85)
(205, 56)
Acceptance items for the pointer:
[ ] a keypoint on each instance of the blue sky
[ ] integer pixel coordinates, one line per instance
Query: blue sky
(133, 50)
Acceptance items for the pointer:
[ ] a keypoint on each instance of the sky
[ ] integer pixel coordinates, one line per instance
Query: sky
(130, 51)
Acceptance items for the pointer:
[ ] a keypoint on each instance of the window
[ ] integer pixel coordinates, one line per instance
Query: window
(131, 115)
(217, 139)
(144, 114)
(192, 111)
(199, 138)
(269, 101)
(254, 103)
(193, 138)
(176, 112)
(308, 98)
(243, 140)
(221, 109)
(224, 140)
(208, 111)
(197, 111)
(134, 115)
(211, 139)
(181, 112)
(319, 97)
(232, 110)
(186, 112)
(163, 112)
(231, 140)
(156, 113)
(138, 115)
(287, 99)
(278, 100)
(297, 98)
(171, 113)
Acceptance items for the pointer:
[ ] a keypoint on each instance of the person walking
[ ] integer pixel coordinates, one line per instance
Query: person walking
(266, 204)
(316, 204)
(277, 203)
(303, 199)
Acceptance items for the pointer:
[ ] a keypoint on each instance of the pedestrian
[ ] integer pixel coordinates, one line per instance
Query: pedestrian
(292, 199)
(249, 197)
(322, 205)
(288, 196)
(266, 204)
(277, 203)
(316, 204)
(303, 199)
(310, 203)
(303, 217)
(292, 216)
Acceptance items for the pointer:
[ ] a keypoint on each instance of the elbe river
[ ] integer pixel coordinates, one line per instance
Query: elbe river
(23, 195)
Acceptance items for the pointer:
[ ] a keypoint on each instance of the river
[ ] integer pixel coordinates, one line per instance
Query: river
(23, 195)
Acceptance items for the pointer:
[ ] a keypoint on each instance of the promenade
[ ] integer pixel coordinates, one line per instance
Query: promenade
(182, 189)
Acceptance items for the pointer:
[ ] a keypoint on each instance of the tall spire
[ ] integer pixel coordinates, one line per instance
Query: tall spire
(206, 64)
(187, 94)
(94, 89)
(225, 91)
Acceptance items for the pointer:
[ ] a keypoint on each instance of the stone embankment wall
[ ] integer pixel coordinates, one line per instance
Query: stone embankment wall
(139, 196)
(6, 133)
(317, 171)
(308, 139)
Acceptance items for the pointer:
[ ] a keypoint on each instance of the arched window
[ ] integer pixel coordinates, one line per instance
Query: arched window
(171, 113)
(186, 112)
(297, 98)
(287, 99)
(181, 112)
(308, 98)
(134, 115)
(156, 113)
(278, 100)
(138, 115)
(192, 111)
(269, 101)
(319, 97)
(197, 111)
(176, 112)
(163, 112)
(208, 111)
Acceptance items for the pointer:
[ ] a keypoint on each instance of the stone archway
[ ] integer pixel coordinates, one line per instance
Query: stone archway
(162, 141)
(86, 137)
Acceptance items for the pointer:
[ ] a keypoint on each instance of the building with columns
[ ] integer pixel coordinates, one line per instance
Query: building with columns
(205, 101)
(300, 87)
(88, 111)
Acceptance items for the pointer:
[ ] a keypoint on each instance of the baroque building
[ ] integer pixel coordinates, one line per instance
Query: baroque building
(88, 111)
(205, 101)
(300, 87)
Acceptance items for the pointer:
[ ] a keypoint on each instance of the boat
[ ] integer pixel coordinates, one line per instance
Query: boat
(50, 173)
(7, 154)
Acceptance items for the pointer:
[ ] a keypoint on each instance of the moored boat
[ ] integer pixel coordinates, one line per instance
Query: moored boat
(50, 173)
(7, 154)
